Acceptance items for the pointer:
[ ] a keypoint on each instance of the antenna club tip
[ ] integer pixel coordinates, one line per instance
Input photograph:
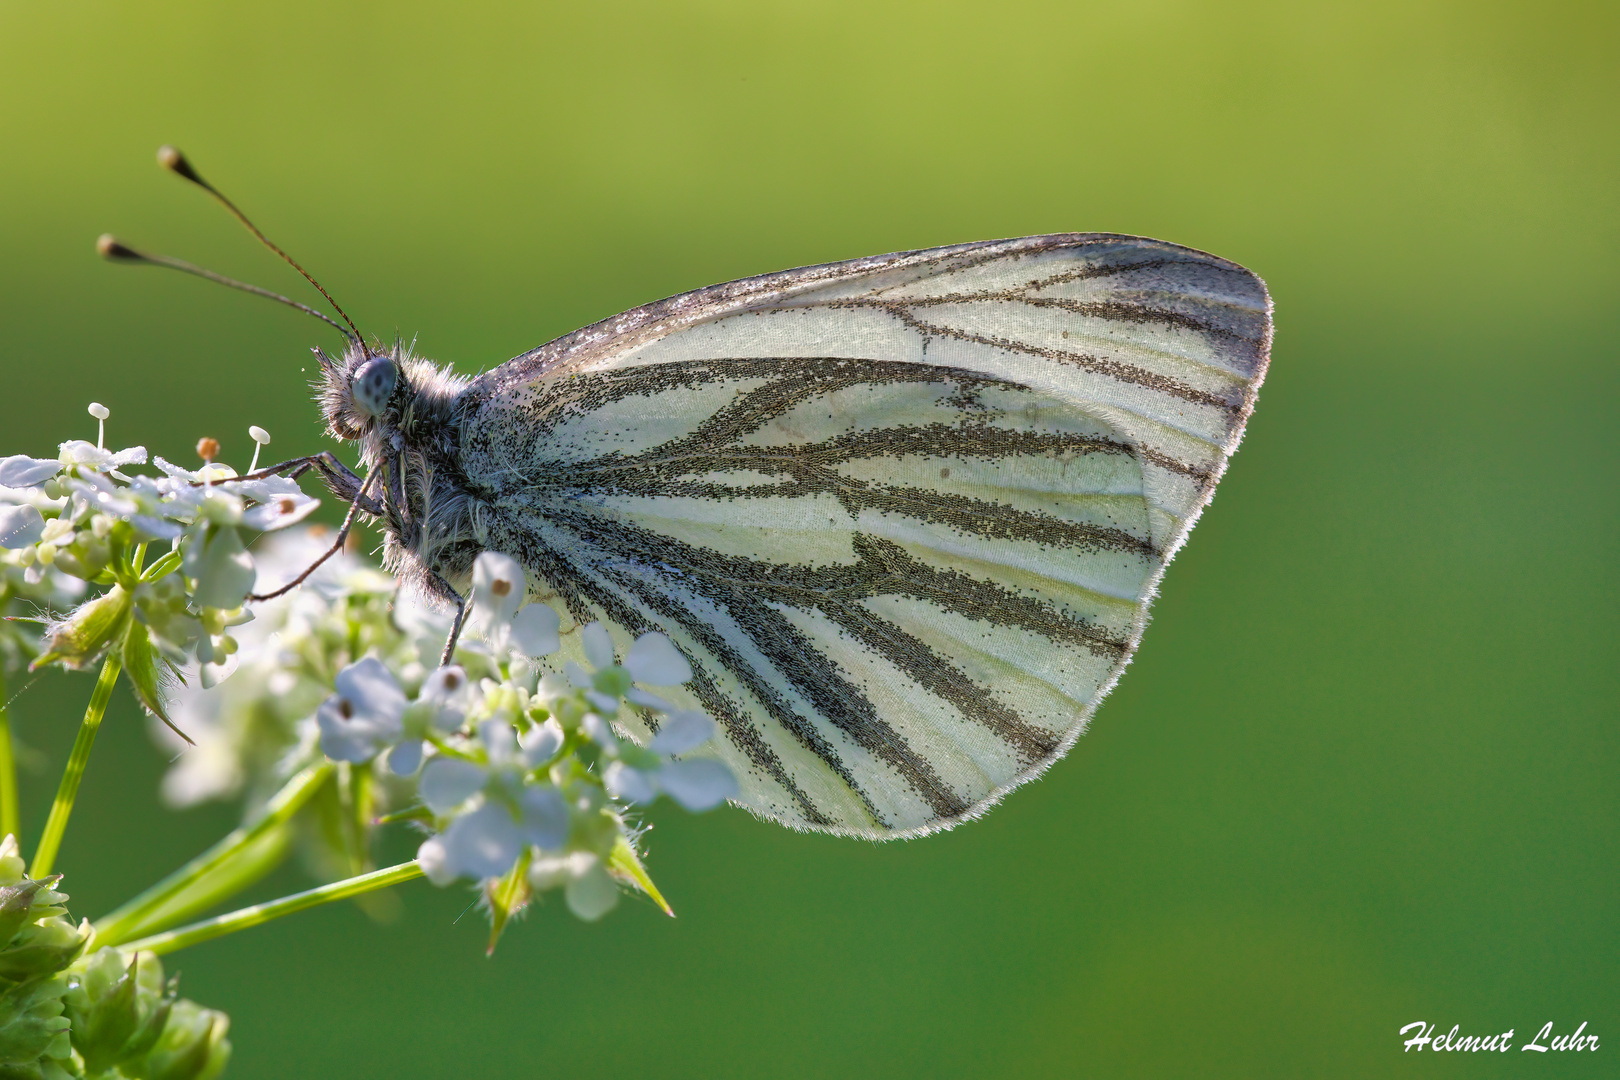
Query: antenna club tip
(172, 159)
(109, 247)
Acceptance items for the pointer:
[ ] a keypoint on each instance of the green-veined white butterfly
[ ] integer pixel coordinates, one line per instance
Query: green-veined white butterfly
(904, 515)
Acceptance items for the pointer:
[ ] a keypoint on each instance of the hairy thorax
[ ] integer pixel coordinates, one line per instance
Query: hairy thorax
(430, 519)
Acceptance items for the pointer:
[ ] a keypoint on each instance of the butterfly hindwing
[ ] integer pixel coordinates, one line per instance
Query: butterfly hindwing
(903, 515)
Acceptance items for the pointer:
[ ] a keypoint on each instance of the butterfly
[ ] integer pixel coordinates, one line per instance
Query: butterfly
(903, 515)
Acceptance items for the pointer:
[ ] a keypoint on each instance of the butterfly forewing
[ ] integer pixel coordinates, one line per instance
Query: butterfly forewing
(904, 515)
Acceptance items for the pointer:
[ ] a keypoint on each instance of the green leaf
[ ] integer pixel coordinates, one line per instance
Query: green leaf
(140, 664)
(507, 897)
(623, 863)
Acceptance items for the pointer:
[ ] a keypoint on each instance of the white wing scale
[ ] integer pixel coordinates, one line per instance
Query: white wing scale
(904, 515)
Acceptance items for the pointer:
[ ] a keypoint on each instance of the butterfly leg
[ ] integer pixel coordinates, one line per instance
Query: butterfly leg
(355, 505)
(338, 477)
(445, 590)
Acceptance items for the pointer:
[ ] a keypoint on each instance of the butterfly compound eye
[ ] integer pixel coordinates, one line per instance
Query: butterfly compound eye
(373, 384)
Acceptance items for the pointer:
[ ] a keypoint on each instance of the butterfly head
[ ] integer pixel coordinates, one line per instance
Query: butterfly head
(360, 389)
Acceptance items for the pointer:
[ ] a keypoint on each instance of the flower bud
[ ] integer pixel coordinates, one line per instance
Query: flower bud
(118, 1007)
(84, 635)
(193, 1045)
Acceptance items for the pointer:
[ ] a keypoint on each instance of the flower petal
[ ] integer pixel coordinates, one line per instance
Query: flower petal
(655, 660)
(550, 872)
(346, 737)
(605, 703)
(484, 843)
(498, 589)
(405, 757)
(20, 526)
(448, 692)
(578, 677)
(553, 685)
(599, 732)
(541, 742)
(20, 471)
(370, 686)
(448, 782)
(682, 731)
(223, 569)
(499, 739)
(545, 817)
(698, 784)
(593, 894)
(534, 630)
(280, 512)
(435, 861)
(598, 646)
(631, 785)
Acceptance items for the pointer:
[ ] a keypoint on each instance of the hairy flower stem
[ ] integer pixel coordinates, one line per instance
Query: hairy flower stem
(68, 790)
(258, 914)
(10, 820)
(167, 901)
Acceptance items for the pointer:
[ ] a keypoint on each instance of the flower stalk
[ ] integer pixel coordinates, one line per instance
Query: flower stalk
(211, 875)
(10, 819)
(259, 914)
(51, 840)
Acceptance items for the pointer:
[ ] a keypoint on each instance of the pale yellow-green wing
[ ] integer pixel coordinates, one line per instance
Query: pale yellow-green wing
(904, 515)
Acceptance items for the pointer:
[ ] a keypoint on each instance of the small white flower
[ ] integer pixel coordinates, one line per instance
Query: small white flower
(487, 840)
(437, 710)
(279, 512)
(499, 587)
(363, 718)
(79, 452)
(498, 611)
(588, 888)
(483, 843)
(697, 784)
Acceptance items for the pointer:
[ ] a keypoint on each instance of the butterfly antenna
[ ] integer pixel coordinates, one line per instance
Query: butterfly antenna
(176, 162)
(114, 250)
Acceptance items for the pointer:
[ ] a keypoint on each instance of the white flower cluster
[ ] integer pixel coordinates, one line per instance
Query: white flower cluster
(518, 764)
(524, 775)
(513, 767)
(80, 518)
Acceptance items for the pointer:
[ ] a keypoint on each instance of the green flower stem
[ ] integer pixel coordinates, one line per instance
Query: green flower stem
(258, 914)
(68, 790)
(158, 904)
(10, 821)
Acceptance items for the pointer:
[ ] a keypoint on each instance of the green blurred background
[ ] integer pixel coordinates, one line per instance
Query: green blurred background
(1364, 770)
